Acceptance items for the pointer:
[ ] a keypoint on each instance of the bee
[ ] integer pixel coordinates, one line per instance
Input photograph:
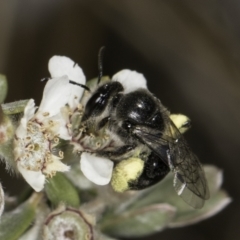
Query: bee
(142, 139)
(134, 130)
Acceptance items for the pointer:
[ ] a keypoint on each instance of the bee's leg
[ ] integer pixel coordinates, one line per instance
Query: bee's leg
(154, 171)
(182, 122)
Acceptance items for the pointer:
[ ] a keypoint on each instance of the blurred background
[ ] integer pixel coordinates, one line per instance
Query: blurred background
(189, 51)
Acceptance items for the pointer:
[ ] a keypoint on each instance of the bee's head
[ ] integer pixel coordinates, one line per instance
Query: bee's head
(101, 98)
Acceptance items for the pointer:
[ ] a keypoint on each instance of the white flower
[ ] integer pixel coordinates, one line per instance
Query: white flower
(131, 80)
(38, 134)
(55, 95)
(34, 142)
(59, 66)
(96, 169)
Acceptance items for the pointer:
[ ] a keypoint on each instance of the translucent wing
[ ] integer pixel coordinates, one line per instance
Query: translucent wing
(189, 178)
(154, 139)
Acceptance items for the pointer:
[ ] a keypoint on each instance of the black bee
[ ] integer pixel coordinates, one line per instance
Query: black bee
(142, 139)
(138, 126)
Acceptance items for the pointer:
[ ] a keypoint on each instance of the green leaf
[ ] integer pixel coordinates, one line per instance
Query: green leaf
(6, 140)
(14, 223)
(214, 205)
(218, 200)
(185, 215)
(163, 192)
(3, 88)
(35, 231)
(14, 107)
(138, 222)
(59, 189)
(104, 237)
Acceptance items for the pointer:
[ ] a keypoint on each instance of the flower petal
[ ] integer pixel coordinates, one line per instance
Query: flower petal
(55, 165)
(21, 131)
(55, 95)
(96, 169)
(28, 114)
(34, 178)
(29, 110)
(57, 125)
(59, 66)
(131, 80)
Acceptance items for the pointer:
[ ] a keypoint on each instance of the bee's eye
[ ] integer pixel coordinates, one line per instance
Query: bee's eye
(99, 100)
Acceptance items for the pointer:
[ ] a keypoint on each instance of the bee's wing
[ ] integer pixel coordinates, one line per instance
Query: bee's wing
(154, 140)
(189, 178)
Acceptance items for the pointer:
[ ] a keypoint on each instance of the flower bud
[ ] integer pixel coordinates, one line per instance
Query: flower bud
(68, 223)
(139, 222)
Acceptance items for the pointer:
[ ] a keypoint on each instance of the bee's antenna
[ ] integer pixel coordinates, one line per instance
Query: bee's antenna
(100, 63)
(79, 84)
(70, 81)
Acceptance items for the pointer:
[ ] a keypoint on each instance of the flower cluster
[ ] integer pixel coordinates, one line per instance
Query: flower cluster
(47, 143)
(41, 129)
